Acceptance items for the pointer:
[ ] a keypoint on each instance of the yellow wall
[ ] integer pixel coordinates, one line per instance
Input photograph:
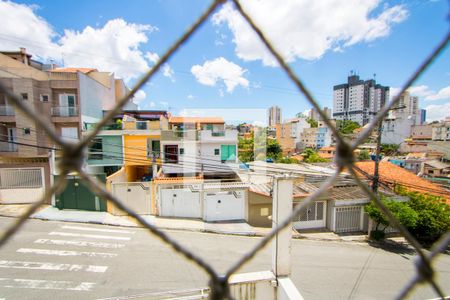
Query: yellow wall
(16, 68)
(135, 149)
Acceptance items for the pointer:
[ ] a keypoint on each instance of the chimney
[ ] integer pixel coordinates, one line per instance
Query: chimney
(23, 56)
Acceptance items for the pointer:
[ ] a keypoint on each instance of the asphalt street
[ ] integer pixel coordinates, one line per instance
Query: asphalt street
(57, 260)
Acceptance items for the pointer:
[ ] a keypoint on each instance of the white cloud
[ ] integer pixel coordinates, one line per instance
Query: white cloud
(424, 91)
(153, 57)
(190, 97)
(443, 93)
(113, 47)
(220, 69)
(21, 27)
(438, 112)
(164, 103)
(168, 72)
(307, 29)
(139, 96)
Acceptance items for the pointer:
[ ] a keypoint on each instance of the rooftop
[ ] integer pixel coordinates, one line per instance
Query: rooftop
(205, 120)
(392, 174)
(74, 70)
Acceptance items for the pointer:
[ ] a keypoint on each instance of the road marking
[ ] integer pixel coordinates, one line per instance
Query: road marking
(95, 236)
(96, 229)
(45, 284)
(51, 266)
(65, 252)
(78, 243)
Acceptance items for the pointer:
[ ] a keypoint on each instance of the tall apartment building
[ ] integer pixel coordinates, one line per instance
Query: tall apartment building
(274, 116)
(358, 100)
(423, 116)
(400, 120)
(314, 114)
(67, 97)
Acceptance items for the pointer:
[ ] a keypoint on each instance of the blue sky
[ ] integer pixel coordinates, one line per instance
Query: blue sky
(222, 67)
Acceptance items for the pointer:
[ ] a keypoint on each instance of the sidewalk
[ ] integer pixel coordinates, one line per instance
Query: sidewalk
(51, 213)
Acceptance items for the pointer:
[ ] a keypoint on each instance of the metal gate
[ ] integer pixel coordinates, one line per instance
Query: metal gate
(181, 202)
(21, 185)
(77, 195)
(135, 195)
(348, 219)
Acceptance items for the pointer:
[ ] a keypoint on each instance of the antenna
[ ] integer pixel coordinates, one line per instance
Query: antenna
(375, 76)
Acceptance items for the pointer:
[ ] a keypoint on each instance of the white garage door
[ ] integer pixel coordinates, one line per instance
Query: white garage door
(348, 218)
(225, 206)
(314, 216)
(182, 203)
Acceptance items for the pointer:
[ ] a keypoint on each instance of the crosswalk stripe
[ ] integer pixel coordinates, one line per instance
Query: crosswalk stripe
(96, 229)
(78, 243)
(95, 236)
(65, 252)
(51, 266)
(17, 283)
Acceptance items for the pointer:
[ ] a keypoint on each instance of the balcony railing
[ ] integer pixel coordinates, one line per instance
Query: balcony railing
(179, 135)
(7, 146)
(91, 126)
(6, 110)
(65, 111)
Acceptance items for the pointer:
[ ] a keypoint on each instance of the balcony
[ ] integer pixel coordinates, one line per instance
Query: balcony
(91, 126)
(6, 110)
(141, 125)
(65, 111)
(218, 136)
(179, 135)
(7, 146)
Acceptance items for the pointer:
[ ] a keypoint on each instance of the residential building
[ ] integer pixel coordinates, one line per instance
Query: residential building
(274, 116)
(67, 97)
(194, 146)
(397, 125)
(327, 152)
(314, 114)
(421, 132)
(288, 134)
(316, 137)
(441, 131)
(130, 142)
(435, 168)
(392, 175)
(358, 100)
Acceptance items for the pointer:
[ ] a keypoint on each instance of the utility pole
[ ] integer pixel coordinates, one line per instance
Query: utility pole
(376, 176)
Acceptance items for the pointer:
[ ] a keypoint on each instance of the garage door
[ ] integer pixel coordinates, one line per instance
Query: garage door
(225, 206)
(312, 217)
(348, 219)
(135, 195)
(182, 203)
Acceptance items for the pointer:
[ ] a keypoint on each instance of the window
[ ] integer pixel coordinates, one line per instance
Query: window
(44, 98)
(96, 149)
(24, 96)
(27, 131)
(181, 150)
(228, 153)
(216, 151)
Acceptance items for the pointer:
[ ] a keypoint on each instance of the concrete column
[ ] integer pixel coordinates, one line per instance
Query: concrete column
(154, 166)
(281, 209)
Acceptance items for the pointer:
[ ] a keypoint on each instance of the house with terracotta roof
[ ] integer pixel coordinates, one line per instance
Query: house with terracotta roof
(392, 175)
(327, 152)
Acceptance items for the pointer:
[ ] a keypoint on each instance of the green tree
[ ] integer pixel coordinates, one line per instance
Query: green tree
(273, 149)
(245, 149)
(347, 126)
(401, 210)
(311, 156)
(364, 155)
(433, 216)
(313, 123)
(287, 160)
(389, 149)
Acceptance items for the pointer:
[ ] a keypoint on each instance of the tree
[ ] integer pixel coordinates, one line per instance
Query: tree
(433, 216)
(401, 210)
(347, 126)
(389, 149)
(313, 123)
(364, 155)
(273, 149)
(311, 156)
(287, 160)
